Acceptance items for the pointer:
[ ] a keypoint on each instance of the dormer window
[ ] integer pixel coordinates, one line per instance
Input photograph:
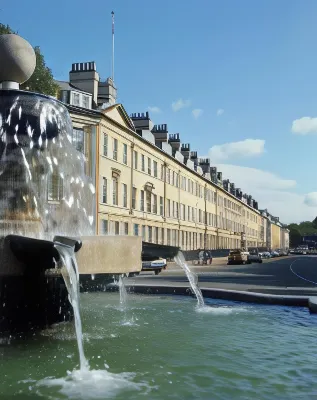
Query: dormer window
(85, 101)
(76, 99)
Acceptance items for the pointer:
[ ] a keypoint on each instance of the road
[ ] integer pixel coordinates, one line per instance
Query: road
(296, 275)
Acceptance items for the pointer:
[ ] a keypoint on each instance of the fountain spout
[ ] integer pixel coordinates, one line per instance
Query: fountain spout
(39, 255)
(76, 244)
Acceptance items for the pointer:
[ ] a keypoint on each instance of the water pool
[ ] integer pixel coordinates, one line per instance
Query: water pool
(163, 347)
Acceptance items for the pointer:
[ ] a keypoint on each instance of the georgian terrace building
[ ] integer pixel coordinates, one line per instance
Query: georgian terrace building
(277, 234)
(147, 182)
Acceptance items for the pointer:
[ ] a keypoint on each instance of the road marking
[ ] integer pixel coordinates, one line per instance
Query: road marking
(298, 276)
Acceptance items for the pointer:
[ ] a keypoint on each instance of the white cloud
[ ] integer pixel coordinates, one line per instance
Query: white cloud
(272, 192)
(220, 111)
(244, 148)
(155, 110)
(255, 178)
(179, 104)
(311, 199)
(304, 126)
(197, 112)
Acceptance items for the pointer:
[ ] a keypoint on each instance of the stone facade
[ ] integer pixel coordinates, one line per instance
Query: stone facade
(143, 190)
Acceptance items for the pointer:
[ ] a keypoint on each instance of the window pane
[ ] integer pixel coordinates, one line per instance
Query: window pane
(149, 165)
(114, 191)
(104, 191)
(105, 227)
(155, 168)
(156, 235)
(85, 101)
(124, 193)
(154, 203)
(78, 139)
(76, 99)
(125, 154)
(135, 160)
(161, 206)
(136, 230)
(143, 232)
(115, 149)
(142, 200)
(134, 198)
(105, 144)
(148, 201)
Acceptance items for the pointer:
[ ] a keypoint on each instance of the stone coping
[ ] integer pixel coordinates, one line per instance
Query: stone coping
(231, 295)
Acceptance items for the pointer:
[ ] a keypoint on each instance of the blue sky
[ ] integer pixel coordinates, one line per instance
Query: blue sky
(255, 60)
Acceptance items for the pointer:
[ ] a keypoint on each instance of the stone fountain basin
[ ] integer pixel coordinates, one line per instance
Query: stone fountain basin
(32, 290)
(94, 254)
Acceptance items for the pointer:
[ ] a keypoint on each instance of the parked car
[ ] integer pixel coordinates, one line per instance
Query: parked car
(275, 253)
(281, 252)
(254, 256)
(155, 266)
(238, 257)
(302, 250)
(266, 254)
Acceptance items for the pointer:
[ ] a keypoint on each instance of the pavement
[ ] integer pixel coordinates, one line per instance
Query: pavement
(285, 276)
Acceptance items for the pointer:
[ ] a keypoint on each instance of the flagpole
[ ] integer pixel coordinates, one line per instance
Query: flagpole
(112, 14)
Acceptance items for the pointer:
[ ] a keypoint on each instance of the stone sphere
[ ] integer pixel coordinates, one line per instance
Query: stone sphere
(17, 57)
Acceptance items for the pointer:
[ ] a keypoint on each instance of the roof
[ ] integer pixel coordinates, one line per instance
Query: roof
(68, 86)
(119, 107)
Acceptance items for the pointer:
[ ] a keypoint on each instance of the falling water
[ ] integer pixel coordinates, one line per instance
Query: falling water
(123, 293)
(192, 277)
(70, 274)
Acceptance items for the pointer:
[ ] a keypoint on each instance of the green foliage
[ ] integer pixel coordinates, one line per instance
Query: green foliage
(295, 238)
(296, 231)
(42, 80)
(305, 227)
(4, 29)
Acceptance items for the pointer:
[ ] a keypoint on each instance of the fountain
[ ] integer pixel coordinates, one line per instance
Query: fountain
(47, 206)
(48, 250)
(123, 293)
(192, 278)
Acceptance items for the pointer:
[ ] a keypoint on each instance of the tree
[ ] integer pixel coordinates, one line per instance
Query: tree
(295, 238)
(293, 226)
(305, 227)
(42, 80)
(5, 29)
